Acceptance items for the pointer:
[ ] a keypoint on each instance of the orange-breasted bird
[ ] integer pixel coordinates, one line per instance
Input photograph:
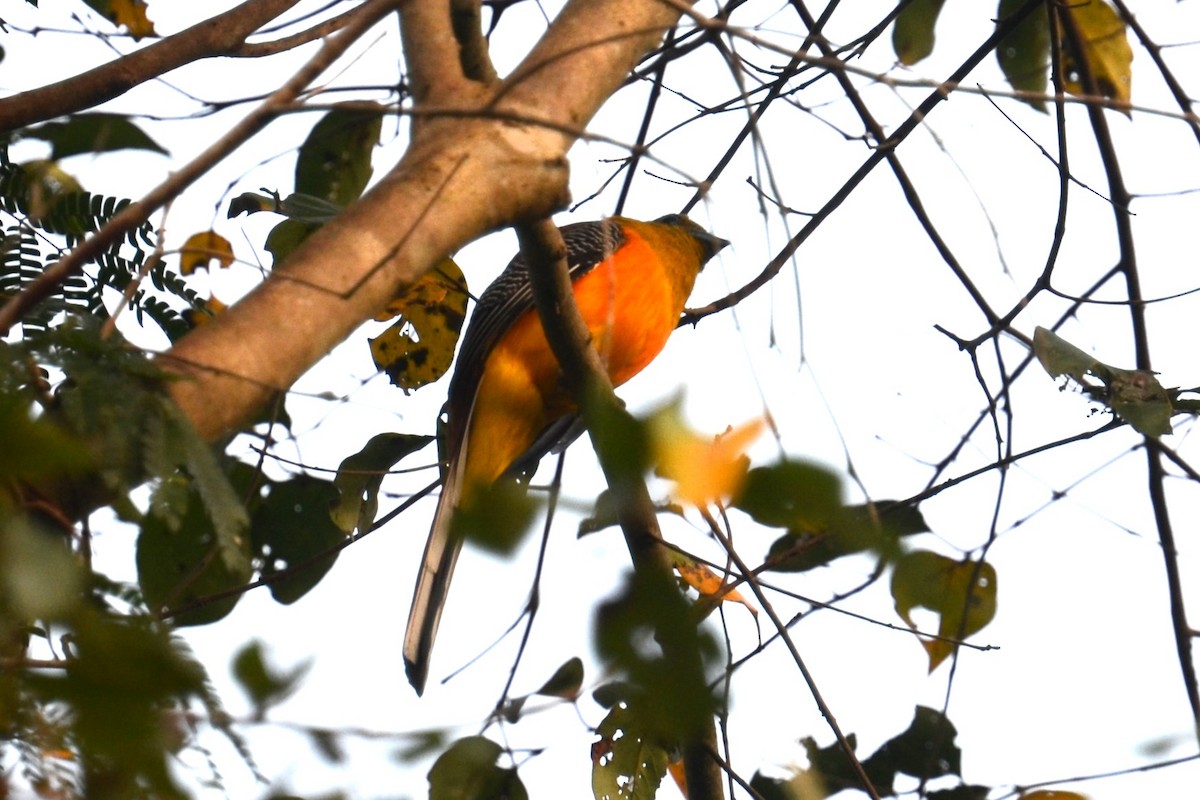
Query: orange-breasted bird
(506, 401)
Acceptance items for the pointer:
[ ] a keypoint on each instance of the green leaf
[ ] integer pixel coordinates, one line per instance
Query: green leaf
(1137, 397)
(1060, 357)
(627, 762)
(39, 577)
(804, 786)
(791, 494)
(565, 681)
(285, 237)
(962, 593)
(912, 36)
(854, 529)
(308, 208)
(359, 476)
(1024, 53)
(497, 516)
(1134, 395)
(224, 507)
(832, 771)
(92, 133)
(36, 448)
(124, 679)
(671, 695)
(468, 771)
(179, 559)
(334, 163)
(264, 685)
(926, 750)
(291, 530)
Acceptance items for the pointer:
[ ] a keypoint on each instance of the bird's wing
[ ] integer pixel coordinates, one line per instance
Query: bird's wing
(501, 304)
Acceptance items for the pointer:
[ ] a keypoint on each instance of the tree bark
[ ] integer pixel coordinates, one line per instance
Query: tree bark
(481, 159)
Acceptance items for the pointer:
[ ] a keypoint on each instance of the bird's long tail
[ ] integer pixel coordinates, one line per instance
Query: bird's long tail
(433, 583)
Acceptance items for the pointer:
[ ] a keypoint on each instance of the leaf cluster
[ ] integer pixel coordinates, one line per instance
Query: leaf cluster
(49, 212)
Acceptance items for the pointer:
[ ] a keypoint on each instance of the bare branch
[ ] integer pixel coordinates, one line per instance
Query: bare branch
(317, 31)
(224, 34)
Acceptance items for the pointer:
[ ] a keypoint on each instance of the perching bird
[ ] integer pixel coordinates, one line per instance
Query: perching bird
(631, 280)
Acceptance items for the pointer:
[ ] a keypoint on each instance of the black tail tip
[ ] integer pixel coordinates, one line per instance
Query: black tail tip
(417, 675)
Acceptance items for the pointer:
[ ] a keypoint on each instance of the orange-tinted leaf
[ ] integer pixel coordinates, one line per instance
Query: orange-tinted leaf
(201, 248)
(130, 13)
(1106, 50)
(708, 583)
(419, 348)
(675, 768)
(961, 593)
(703, 469)
(206, 313)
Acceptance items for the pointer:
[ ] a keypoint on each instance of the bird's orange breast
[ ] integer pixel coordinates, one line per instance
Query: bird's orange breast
(630, 303)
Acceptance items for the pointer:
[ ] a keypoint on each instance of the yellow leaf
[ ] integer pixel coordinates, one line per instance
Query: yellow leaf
(206, 313)
(1106, 50)
(703, 469)
(131, 14)
(419, 348)
(710, 586)
(962, 593)
(48, 183)
(201, 248)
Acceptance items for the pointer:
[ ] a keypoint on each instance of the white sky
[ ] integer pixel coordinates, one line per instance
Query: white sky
(1085, 679)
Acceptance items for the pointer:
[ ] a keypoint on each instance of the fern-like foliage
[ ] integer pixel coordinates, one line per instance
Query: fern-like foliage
(39, 224)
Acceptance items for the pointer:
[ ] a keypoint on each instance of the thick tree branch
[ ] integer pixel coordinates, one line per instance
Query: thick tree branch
(587, 380)
(459, 180)
(318, 31)
(223, 34)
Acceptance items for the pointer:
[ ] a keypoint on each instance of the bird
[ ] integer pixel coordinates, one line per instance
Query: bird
(506, 406)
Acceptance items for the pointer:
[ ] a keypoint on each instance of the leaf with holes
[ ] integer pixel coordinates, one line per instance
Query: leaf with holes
(961, 593)
(419, 348)
(203, 248)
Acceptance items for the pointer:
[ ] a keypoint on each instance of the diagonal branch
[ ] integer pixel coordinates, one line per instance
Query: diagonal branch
(224, 34)
(585, 377)
(461, 178)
